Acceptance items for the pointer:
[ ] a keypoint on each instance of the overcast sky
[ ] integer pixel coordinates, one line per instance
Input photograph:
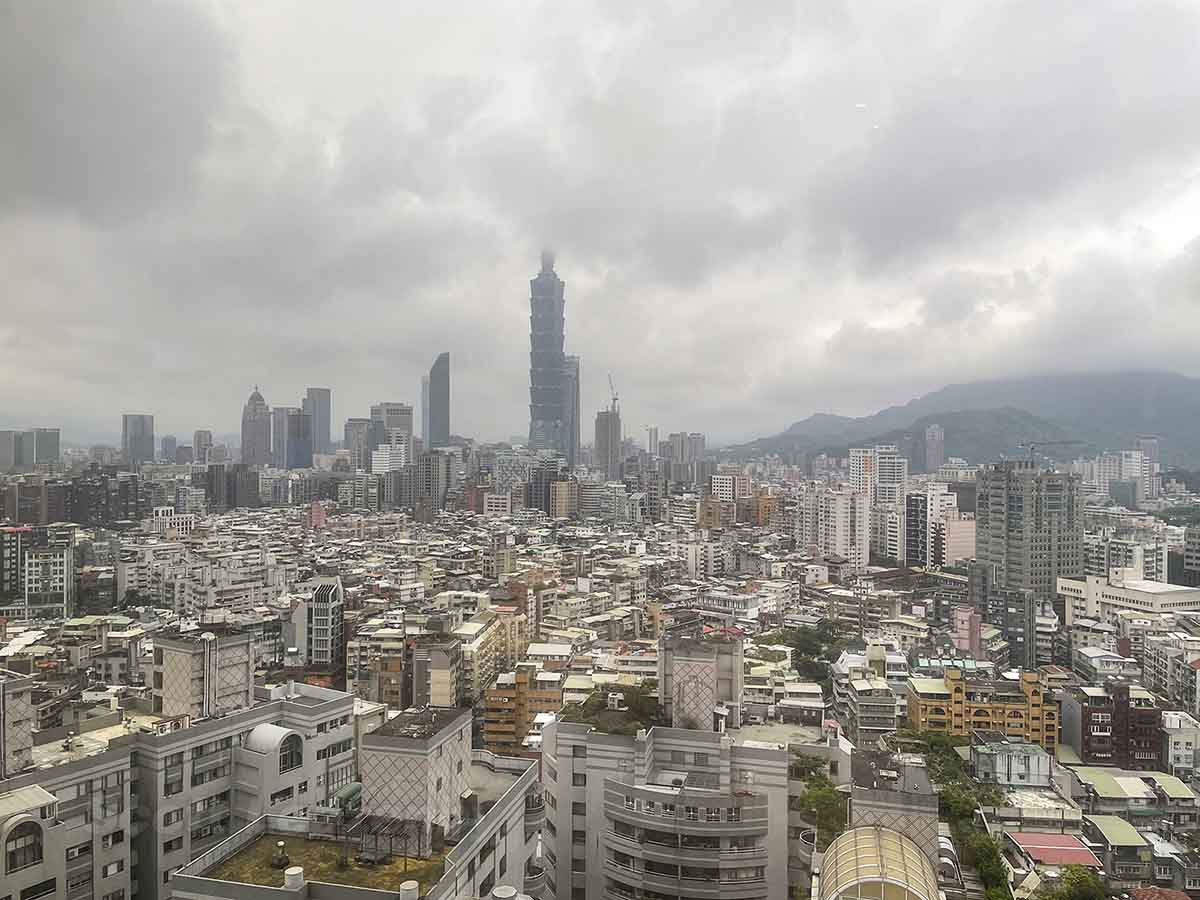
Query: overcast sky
(761, 210)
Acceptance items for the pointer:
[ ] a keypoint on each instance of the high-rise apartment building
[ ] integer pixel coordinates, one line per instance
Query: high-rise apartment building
(607, 448)
(202, 443)
(439, 404)
(169, 445)
(547, 363)
(256, 431)
(571, 409)
(434, 477)
(317, 403)
(1029, 526)
(935, 448)
(835, 522)
(137, 438)
(652, 440)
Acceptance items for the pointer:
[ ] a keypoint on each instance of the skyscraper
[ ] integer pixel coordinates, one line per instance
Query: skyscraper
(137, 438)
(169, 443)
(607, 448)
(425, 409)
(652, 440)
(202, 442)
(439, 403)
(1029, 527)
(317, 403)
(571, 423)
(291, 438)
(935, 448)
(256, 431)
(546, 360)
(356, 437)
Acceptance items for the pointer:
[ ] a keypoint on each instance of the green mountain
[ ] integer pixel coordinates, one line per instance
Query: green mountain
(986, 419)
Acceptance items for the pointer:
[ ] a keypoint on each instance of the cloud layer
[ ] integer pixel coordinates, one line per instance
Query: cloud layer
(760, 211)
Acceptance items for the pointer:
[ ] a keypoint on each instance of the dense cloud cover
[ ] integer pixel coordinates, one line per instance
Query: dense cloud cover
(761, 210)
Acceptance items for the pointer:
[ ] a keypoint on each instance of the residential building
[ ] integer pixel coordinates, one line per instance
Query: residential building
(700, 681)
(1125, 854)
(1180, 743)
(835, 522)
(202, 674)
(606, 451)
(1117, 724)
(935, 448)
(513, 703)
(952, 705)
(995, 759)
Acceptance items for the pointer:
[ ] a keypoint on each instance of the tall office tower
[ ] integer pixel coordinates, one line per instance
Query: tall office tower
(571, 411)
(256, 430)
(388, 422)
(8, 450)
(137, 438)
(546, 360)
(169, 445)
(652, 440)
(1029, 527)
(356, 437)
(202, 442)
(291, 434)
(45, 445)
(425, 409)
(606, 451)
(439, 403)
(316, 403)
(935, 448)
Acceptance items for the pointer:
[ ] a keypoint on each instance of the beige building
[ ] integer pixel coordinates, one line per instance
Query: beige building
(952, 705)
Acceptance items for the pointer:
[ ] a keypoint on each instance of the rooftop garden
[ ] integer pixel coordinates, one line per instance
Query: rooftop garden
(641, 710)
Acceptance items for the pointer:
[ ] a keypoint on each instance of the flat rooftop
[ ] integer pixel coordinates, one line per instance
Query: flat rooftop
(252, 865)
(55, 753)
(775, 733)
(490, 785)
(422, 724)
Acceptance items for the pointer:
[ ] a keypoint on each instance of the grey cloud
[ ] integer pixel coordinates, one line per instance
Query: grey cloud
(741, 244)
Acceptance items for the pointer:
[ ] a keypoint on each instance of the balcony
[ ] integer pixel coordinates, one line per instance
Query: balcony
(535, 880)
(211, 761)
(535, 812)
(213, 814)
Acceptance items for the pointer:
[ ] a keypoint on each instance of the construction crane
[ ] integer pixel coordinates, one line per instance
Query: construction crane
(1033, 446)
(612, 389)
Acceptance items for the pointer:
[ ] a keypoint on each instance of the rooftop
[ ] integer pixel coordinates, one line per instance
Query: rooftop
(1117, 831)
(320, 861)
(422, 723)
(1055, 849)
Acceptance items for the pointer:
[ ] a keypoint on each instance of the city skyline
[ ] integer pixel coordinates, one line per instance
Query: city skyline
(973, 186)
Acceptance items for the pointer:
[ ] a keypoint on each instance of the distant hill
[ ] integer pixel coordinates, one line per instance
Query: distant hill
(985, 419)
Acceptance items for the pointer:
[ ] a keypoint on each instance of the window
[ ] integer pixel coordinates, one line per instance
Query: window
(712, 814)
(302, 788)
(578, 837)
(579, 751)
(171, 788)
(578, 779)
(291, 753)
(173, 844)
(651, 807)
(669, 810)
(578, 809)
(282, 796)
(41, 889)
(115, 895)
(113, 868)
(628, 801)
(78, 881)
(735, 814)
(702, 759)
(168, 873)
(23, 847)
(677, 757)
(175, 759)
(79, 850)
(692, 813)
(335, 749)
(171, 817)
(117, 837)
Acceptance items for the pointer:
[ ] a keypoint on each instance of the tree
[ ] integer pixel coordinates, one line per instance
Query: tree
(826, 808)
(1076, 883)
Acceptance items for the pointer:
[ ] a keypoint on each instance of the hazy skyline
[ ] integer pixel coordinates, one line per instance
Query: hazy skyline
(760, 211)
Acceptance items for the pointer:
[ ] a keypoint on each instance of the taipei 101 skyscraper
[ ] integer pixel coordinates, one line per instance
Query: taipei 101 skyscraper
(547, 364)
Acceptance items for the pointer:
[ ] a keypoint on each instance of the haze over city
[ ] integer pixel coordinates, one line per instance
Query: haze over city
(759, 213)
